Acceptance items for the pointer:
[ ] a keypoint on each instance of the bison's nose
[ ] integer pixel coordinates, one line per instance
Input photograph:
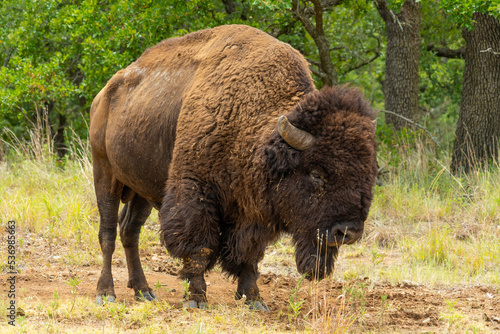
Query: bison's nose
(343, 235)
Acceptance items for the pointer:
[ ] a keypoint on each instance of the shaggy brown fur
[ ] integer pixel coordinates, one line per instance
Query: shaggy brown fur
(199, 112)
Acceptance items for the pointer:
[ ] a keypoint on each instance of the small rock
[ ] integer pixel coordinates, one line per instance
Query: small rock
(492, 318)
(408, 284)
(20, 312)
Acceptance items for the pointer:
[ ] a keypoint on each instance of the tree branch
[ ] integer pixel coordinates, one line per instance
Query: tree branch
(366, 62)
(319, 17)
(386, 13)
(443, 51)
(318, 35)
(383, 9)
(434, 139)
(278, 31)
(230, 6)
(491, 50)
(8, 55)
(313, 62)
(326, 5)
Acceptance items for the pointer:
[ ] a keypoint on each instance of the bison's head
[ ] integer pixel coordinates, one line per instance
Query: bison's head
(322, 167)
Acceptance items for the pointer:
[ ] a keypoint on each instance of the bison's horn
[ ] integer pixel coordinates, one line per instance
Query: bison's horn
(298, 139)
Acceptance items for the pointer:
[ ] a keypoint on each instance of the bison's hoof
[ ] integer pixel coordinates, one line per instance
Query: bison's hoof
(203, 306)
(145, 296)
(190, 304)
(195, 304)
(103, 299)
(255, 305)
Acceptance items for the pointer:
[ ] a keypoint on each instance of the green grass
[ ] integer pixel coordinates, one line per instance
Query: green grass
(444, 228)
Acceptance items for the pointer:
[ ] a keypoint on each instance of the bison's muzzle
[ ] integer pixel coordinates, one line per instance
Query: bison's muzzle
(343, 234)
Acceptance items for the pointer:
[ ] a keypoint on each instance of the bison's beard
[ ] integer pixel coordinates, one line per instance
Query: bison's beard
(315, 261)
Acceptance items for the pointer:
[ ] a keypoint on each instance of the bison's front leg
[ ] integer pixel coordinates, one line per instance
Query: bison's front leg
(190, 229)
(194, 269)
(247, 286)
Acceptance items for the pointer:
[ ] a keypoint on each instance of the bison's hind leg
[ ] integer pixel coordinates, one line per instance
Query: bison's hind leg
(132, 217)
(108, 192)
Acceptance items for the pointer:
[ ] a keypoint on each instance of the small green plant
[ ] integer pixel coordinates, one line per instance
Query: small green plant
(73, 283)
(21, 323)
(20, 243)
(54, 305)
(161, 287)
(200, 328)
(294, 304)
(186, 293)
(117, 311)
(452, 316)
(383, 307)
(377, 257)
(52, 221)
(143, 312)
(357, 300)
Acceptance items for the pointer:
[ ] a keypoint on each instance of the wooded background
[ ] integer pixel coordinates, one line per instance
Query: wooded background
(434, 62)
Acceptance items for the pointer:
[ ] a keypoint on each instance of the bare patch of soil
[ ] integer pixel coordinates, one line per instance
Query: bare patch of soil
(379, 307)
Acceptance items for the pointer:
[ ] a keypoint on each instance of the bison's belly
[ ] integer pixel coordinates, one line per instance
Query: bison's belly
(140, 160)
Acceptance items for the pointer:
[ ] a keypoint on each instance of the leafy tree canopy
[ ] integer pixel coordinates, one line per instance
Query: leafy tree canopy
(462, 10)
(62, 52)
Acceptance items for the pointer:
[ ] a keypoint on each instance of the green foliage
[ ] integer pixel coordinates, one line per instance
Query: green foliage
(357, 50)
(393, 145)
(462, 10)
(186, 293)
(356, 294)
(272, 4)
(295, 304)
(396, 4)
(61, 53)
(352, 28)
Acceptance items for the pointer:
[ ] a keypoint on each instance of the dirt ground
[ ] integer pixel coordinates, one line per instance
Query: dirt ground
(374, 307)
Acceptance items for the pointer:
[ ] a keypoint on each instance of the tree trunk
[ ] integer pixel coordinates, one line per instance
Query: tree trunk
(401, 64)
(478, 128)
(59, 143)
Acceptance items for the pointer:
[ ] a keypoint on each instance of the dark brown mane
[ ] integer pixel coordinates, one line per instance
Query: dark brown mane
(331, 100)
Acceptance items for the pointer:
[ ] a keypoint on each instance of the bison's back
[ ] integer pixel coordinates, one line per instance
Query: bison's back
(199, 87)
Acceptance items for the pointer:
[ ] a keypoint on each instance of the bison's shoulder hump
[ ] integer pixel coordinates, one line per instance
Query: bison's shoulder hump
(238, 42)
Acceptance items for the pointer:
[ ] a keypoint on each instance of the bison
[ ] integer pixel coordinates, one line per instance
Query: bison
(224, 132)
